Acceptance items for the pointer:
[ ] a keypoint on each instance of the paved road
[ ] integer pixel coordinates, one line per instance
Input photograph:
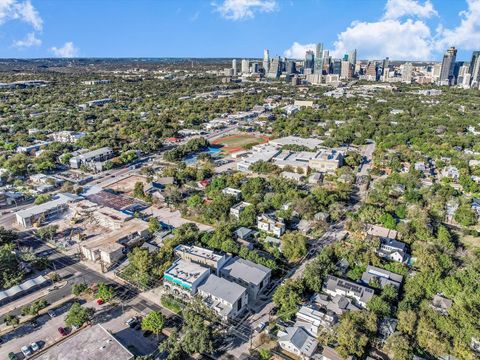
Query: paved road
(366, 165)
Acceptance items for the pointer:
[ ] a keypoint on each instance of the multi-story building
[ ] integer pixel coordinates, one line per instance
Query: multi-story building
(254, 277)
(309, 60)
(275, 68)
(184, 277)
(237, 209)
(371, 71)
(98, 155)
(66, 136)
(45, 212)
(237, 194)
(392, 249)
(474, 69)
(448, 63)
(202, 256)
(245, 66)
(334, 286)
(266, 61)
(297, 341)
(234, 67)
(407, 73)
(271, 225)
(326, 161)
(226, 298)
(318, 59)
(346, 72)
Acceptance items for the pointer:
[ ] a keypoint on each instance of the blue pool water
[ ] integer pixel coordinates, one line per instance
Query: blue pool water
(192, 159)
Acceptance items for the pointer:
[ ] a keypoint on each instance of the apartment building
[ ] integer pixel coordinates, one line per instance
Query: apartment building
(98, 155)
(237, 209)
(184, 277)
(237, 194)
(226, 298)
(254, 277)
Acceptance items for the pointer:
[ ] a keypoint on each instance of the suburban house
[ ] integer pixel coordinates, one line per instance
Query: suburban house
(392, 250)
(237, 209)
(380, 231)
(297, 341)
(336, 286)
(338, 304)
(383, 276)
(441, 304)
(254, 277)
(226, 298)
(245, 236)
(312, 319)
(271, 224)
(184, 277)
(202, 256)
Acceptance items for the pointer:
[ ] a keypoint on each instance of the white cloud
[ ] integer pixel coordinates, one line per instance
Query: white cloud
(408, 40)
(68, 50)
(467, 34)
(18, 10)
(395, 9)
(30, 40)
(297, 51)
(244, 9)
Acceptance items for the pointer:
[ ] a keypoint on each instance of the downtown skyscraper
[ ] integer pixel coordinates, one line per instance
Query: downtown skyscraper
(448, 63)
(318, 59)
(474, 69)
(266, 60)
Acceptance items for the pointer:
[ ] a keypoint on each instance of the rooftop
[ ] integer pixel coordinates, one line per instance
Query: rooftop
(188, 272)
(198, 251)
(246, 270)
(222, 289)
(296, 140)
(58, 200)
(94, 153)
(301, 340)
(92, 343)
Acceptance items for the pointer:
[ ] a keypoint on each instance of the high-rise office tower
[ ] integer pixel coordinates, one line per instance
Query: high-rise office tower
(448, 63)
(371, 70)
(234, 67)
(474, 69)
(254, 68)
(407, 73)
(319, 58)
(385, 66)
(266, 61)
(275, 68)
(290, 67)
(463, 74)
(345, 57)
(346, 70)
(336, 66)
(245, 66)
(309, 60)
(352, 57)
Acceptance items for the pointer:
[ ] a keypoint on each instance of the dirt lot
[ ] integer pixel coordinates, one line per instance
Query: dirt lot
(126, 185)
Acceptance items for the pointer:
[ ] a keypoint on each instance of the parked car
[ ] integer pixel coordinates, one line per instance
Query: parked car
(52, 313)
(147, 333)
(132, 321)
(260, 327)
(100, 302)
(34, 346)
(12, 356)
(26, 351)
(137, 326)
(62, 331)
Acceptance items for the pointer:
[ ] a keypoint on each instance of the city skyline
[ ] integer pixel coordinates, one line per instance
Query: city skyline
(398, 29)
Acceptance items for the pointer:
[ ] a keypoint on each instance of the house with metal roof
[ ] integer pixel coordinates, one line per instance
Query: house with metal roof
(297, 341)
(384, 277)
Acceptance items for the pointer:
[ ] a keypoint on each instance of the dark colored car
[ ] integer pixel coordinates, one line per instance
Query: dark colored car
(147, 333)
(62, 331)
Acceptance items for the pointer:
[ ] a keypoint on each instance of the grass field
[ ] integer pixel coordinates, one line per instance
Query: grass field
(238, 142)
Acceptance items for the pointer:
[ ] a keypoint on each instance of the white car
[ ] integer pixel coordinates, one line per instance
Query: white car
(34, 346)
(26, 350)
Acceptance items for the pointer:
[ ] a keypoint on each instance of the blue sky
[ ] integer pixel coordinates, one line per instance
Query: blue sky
(400, 29)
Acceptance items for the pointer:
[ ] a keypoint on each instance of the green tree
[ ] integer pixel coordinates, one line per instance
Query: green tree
(398, 347)
(154, 322)
(138, 190)
(248, 217)
(153, 225)
(294, 246)
(78, 315)
(47, 233)
(465, 215)
(105, 292)
(354, 331)
(42, 198)
(11, 320)
(287, 297)
(78, 289)
(7, 236)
